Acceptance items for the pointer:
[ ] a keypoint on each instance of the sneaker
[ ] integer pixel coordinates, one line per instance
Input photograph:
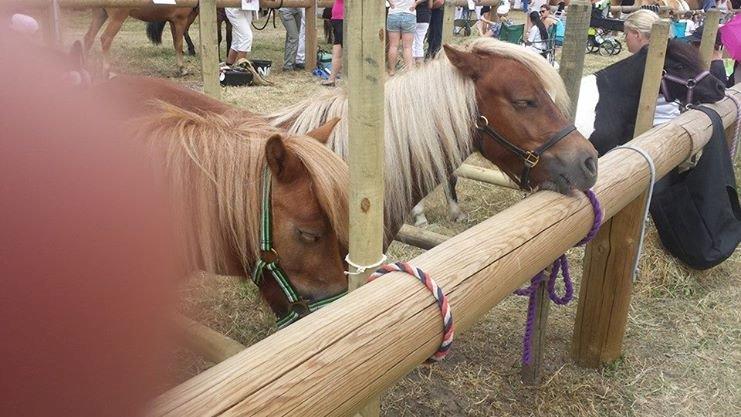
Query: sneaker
(299, 66)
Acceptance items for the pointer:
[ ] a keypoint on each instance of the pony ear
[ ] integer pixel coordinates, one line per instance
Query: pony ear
(285, 165)
(468, 63)
(323, 132)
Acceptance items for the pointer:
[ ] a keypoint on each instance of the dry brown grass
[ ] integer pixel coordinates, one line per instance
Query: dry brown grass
(682, 354)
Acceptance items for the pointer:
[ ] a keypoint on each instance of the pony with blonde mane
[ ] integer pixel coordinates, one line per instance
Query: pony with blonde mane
(217, 161)
(431, 122)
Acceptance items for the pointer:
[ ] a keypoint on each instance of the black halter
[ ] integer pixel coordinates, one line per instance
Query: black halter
(690, 83)
(529, 158)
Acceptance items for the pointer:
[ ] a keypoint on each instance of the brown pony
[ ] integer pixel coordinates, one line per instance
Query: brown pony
(180, 19)
(439, 114)
(216, 157)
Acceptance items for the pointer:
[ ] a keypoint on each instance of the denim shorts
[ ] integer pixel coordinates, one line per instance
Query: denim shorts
(401, 22)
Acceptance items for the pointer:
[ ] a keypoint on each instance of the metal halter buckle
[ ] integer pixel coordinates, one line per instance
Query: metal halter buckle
(484, 122)
(269, 256)
(531, 159)
(300, 307)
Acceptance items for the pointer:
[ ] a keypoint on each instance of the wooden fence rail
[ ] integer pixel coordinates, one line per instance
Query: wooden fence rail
(333, 361)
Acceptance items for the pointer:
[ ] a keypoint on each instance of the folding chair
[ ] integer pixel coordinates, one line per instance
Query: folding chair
(511, 33)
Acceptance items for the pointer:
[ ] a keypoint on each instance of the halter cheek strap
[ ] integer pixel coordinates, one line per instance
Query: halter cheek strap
(529, 158)
(297, 305)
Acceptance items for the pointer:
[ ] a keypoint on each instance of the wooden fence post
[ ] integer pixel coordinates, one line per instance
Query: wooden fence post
(311, 40)
(209, 48)
(571, 65)
(448, 21)
(366, 72)
(604, 297)
(571, 68)
(709, 32)
(53, 30)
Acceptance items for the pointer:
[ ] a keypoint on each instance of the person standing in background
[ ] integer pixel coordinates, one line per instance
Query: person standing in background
(423, 23)
(435, 30)
(338, 16)
(291, 18)
(401, 25)
(241, 20)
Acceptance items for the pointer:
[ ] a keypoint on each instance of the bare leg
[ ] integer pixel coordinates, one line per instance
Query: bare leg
(406, 46)
(99, 17)
(393, 53)
(336, 63)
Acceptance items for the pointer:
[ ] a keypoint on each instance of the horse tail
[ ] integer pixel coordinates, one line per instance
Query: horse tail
(154, 31)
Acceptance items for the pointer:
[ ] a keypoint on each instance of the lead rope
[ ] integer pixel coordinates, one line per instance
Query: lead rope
(560, 264)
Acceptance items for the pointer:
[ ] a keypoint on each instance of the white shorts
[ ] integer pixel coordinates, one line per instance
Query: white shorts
(418, 46)
(241, 21)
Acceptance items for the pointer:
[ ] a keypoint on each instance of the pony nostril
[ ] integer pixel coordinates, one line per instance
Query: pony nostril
(590, 166)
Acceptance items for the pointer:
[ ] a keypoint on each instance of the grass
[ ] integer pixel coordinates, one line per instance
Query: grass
(682, 353)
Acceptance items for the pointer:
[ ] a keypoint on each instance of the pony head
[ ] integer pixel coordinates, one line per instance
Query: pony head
(522, 98)
(685, 79)
(257, 202)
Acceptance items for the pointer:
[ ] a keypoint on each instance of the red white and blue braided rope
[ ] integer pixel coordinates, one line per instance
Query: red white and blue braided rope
(437, 292)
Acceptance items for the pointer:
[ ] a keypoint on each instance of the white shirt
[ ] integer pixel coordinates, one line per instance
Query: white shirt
(403, 6)
(536, 42)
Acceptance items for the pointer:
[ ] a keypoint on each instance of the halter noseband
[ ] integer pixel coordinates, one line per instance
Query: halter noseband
(529, 158)
(690, 83)
(298, 306)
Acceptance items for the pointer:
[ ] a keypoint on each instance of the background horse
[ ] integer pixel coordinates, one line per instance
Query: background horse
(431, 129)
(608, 99)
(180, 19)
(216, 157)
(154, 33)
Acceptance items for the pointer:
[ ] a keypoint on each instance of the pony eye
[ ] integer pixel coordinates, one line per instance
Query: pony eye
(522, 104)
(307, 236)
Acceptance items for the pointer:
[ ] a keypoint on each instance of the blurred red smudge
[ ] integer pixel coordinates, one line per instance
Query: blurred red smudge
(86, 254)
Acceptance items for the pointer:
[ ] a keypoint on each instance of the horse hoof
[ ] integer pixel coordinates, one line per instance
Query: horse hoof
(183, 72)
(458, 217)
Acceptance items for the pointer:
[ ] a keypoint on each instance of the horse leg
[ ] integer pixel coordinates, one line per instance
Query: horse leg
(191, 18)
(419, 214)
(117, 18)
(99, 17)
(454, 210)
(177, 26)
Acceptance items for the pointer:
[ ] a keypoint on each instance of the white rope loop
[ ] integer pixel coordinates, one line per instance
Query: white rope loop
(652, 170)
(361, 269)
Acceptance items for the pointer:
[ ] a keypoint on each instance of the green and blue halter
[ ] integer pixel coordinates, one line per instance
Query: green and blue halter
(298, 306)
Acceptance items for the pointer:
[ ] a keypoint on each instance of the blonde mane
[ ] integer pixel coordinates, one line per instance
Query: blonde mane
(214, 164)
(429, 121)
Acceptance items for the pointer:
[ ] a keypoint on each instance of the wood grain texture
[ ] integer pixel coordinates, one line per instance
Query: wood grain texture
(212, 345)
(209, 48)
(333, 361)
(311, 38)
(710, 31)
(604, 298)
(571, 66)
(487, 175)
(420, 238)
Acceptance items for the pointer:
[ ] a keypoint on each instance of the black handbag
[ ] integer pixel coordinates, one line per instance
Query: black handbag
(697, 212)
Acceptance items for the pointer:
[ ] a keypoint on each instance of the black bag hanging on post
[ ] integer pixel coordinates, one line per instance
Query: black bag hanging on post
(697, 212)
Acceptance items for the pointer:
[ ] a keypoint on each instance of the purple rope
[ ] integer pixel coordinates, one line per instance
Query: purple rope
(560, 264)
